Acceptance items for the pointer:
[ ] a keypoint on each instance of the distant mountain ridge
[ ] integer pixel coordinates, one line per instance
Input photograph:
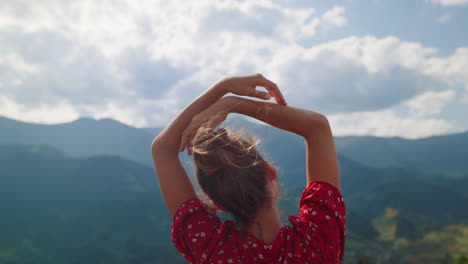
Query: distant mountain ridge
(88, 137)
(103, 165)
(438, 153)
(60, 209)
(83, 137)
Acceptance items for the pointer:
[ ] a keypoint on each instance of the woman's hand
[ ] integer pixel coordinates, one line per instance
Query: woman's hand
(215, 114)
(246, 86)
(209, 118)
(173, 180)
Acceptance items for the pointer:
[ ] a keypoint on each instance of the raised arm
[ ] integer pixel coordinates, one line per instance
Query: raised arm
(321, 158)
(175, 186)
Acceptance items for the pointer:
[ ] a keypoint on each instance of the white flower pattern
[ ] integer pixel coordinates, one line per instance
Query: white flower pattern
(303, 243)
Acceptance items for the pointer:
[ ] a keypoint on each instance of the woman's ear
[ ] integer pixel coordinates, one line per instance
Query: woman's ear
(272, 183)
(270, 171)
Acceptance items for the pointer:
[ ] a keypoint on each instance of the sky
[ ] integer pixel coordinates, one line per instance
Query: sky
(373, 67)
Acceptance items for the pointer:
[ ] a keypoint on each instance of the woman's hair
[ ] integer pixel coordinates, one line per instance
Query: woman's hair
(231, 172)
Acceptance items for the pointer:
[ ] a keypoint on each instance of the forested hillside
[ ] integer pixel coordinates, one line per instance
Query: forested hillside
(83, 137)
(57, 209)
(86, 192)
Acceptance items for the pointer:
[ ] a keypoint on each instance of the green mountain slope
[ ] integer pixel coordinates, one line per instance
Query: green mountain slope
(83, 137)
(396, 190)
(448, 154)
(86, 137)
(110, 208)
(57, 209)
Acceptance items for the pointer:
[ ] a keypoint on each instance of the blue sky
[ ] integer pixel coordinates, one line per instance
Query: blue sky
(384, 68)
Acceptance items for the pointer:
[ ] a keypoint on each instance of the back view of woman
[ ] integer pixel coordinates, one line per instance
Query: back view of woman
(237, 179)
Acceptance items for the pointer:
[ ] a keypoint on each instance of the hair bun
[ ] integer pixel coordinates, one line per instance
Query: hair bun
(220, 138)
(230, 172)
(218, 148)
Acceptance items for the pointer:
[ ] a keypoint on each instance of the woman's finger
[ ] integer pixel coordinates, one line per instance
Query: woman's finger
(261, 95)
(183, 143)
(271, 87)
(189, 146)
(186, 137)
(278, 95)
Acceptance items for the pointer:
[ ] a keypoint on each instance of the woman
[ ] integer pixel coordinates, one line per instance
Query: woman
(237, 179)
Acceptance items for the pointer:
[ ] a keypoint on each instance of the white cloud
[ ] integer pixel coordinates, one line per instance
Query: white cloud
(444, 18)
(117, 52)
(359, 74)
(374, 79)
(18, 64)
(335, 16)
(141, 62)
(44, 113)
(464, 98)
(386, 123)
(452, 70)
(379, 54)
(430, 103)
(122, 113)
(449, 2)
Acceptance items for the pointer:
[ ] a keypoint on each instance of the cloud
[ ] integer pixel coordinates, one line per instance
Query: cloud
(444, 18)
(117, 52)
(146, 77)
(386, 123)
(44, 113)
(464, 98)
(449, 2)
(374, 86)
(335, 16)
(452, 70)
(430, 103)
(361, 74)
(18, 64)
(142, 62)
(333, 83)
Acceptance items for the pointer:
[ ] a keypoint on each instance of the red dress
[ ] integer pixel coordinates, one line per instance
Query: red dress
(316, 235)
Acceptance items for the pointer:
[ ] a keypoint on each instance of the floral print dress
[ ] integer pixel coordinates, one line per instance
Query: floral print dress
(316, 235)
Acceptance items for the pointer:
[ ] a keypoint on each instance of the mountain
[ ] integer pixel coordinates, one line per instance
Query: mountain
(83, 137)
(448, 154)
(59, 209)
(86, 137)
(92, 181)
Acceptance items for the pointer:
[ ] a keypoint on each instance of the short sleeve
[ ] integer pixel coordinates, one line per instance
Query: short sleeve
(194, 230)
(322, 220)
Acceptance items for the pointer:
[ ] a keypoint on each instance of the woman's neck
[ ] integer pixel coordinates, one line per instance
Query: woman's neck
(266, 225)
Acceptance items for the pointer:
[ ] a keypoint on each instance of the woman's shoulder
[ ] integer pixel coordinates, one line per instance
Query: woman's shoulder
(195, 216)
(321, 222)
(321, 192)
(316, 185)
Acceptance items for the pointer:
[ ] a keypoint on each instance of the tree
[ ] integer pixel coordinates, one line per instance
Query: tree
(461, 259)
